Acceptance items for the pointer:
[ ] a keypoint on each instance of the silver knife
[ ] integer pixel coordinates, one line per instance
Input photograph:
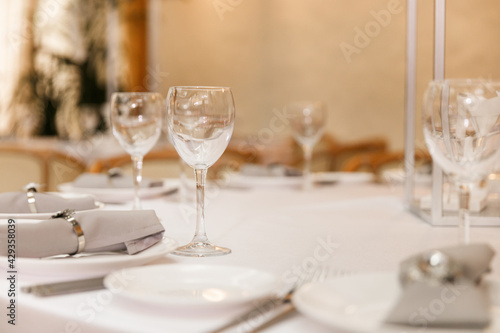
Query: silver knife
(67, 287)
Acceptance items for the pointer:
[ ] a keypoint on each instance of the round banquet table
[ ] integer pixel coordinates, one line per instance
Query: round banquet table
(364, 227)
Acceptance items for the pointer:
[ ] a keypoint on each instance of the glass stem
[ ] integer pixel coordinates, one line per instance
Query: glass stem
(200, 235)
(307, 183)
(137, 173)
(463, 213)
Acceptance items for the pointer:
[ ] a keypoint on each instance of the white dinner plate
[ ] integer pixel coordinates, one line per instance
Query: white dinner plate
(320, 178)
(44, 216)
(120, 195)
(97, 264)
(360, 303)
(195, 286)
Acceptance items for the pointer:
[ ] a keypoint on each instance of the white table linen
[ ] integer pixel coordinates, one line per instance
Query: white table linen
(358, 227)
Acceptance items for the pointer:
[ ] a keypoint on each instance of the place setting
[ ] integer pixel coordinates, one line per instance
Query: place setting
(307, 124)
(441, 289)
(136, 120)
(438, 290)
(115, 187)
(72, 242)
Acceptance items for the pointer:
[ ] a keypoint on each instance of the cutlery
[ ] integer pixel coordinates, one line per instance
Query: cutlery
(67, 287)
(282, 314)
(267, 305)
(84, 254)
(289, 308)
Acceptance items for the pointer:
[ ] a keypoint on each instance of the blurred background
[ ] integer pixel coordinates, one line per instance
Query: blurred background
(61, 60)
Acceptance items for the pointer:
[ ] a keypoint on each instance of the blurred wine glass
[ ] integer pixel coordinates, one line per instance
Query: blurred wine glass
(200, 123)
(136, 119)
(308, 122)
(461, 126)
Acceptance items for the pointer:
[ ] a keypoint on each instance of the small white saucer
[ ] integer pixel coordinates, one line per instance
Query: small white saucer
(194, 287)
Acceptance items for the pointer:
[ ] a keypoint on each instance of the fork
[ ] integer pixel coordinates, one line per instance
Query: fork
(290, 308)
(265, 306)
(84, 254)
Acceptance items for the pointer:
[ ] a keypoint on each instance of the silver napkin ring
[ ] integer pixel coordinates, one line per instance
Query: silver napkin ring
(31, 189)
(69, 215)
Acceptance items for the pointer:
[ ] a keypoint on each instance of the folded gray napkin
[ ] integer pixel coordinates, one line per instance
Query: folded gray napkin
(132, 231)
(271, 170)
(100, 180)
(442, 288)
(17, 203)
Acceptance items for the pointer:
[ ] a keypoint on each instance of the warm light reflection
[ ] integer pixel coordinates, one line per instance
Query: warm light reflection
(214, 295)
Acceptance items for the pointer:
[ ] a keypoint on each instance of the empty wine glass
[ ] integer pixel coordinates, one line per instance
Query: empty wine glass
(200, 123)
(308, 121)
(462, 130)
(136, 118)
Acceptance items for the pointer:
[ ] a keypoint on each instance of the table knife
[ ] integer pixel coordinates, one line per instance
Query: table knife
(67, 287)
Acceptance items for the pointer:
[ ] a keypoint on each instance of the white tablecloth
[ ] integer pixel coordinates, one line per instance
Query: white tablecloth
(364, 226)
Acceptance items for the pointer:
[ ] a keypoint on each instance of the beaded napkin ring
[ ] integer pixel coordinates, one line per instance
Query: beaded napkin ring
(31, 189)
(69, 215)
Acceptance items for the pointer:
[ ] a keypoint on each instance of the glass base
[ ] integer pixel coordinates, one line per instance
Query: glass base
(201, 249)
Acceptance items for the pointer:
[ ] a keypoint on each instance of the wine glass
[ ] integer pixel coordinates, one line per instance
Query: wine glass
(136, 118)
(200, 123)
(461, 126)
(308, 121)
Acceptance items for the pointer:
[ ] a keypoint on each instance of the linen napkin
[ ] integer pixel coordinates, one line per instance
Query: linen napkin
(132, 231)
(17, 203)
(100, 180)
(442, 288)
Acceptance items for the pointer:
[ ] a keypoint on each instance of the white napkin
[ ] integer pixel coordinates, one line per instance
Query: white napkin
(100, 180)
(132, 231)
(17, 203)
(463, 303)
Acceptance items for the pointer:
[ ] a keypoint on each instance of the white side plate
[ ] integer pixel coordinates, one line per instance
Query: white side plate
(120, 195)
(195, 286)
(97, 264)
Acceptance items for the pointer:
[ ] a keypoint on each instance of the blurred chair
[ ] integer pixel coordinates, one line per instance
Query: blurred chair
(281, 151)
(159, 163)
(341, 152)
(379, 162)
(231, 161)
(21, 164)
(166, 163)
(329, 154)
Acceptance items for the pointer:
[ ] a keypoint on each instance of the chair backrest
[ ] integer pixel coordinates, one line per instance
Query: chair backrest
(329, 154)
(165, 163)
(21, 164)
(379, 162)
(159, 163)
(344, 152)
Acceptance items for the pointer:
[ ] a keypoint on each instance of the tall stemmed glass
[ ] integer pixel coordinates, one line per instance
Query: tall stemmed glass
(462, 130)
(136, 118)
(200, 123)
(308, 121)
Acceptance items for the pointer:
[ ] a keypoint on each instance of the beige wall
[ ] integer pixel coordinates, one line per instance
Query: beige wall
(274, 51)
